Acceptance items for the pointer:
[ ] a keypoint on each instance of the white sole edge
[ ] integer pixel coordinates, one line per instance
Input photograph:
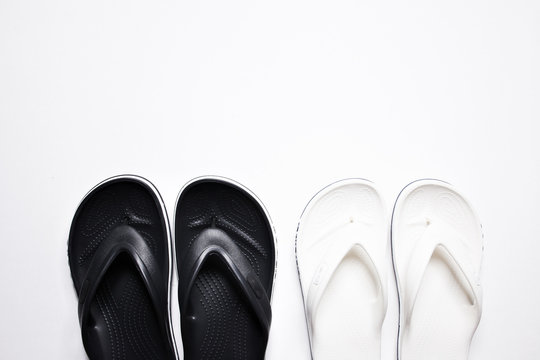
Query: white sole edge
(308, 206)
(404, 191)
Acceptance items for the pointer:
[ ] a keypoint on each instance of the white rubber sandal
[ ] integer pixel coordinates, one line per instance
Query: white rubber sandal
(341, 248)
(437, 247)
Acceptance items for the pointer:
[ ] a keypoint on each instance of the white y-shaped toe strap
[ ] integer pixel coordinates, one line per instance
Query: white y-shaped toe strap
(349, 244)
(455, 251)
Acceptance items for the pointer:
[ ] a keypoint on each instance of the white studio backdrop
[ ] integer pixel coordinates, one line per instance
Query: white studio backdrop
(284, 97)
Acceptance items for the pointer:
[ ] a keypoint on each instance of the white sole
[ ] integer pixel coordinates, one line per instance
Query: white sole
(360, 273)
(427, 215)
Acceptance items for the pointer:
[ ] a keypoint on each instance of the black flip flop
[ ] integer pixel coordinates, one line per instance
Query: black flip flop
(119, 256)
(225, 251)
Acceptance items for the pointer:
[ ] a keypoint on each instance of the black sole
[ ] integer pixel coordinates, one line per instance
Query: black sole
(217, 320)
(123, 322)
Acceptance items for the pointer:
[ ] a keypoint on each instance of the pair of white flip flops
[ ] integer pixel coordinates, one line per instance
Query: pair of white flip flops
(342, 254)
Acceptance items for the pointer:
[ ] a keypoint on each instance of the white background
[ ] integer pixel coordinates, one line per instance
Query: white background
(284, 96)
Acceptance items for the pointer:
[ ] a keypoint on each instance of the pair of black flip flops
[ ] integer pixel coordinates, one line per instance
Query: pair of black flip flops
(122, 264)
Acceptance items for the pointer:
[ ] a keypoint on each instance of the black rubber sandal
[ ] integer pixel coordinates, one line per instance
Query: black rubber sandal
(119, 251)
(225, 250)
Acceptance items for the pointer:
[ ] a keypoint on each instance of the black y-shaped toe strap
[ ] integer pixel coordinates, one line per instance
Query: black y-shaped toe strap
(123, 239)
(214, 241)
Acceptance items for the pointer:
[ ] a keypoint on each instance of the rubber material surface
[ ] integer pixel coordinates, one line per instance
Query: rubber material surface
(437, 247)
(341, 248)
(118, 255)
(226, 263)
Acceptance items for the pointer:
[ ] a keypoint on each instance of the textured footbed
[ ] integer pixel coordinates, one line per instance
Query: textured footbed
(445, 316)
(216, 322)
(122, 322)
(347, 322)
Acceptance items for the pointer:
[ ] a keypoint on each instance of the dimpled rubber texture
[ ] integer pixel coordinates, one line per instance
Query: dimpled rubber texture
(216, 321)
(123, 324)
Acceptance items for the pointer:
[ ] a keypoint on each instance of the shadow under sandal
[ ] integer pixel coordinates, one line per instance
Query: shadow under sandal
(226, 261)
(119, 258)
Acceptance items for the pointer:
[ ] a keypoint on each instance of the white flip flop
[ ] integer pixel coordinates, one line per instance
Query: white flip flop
(341, 248)
(437, 247)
